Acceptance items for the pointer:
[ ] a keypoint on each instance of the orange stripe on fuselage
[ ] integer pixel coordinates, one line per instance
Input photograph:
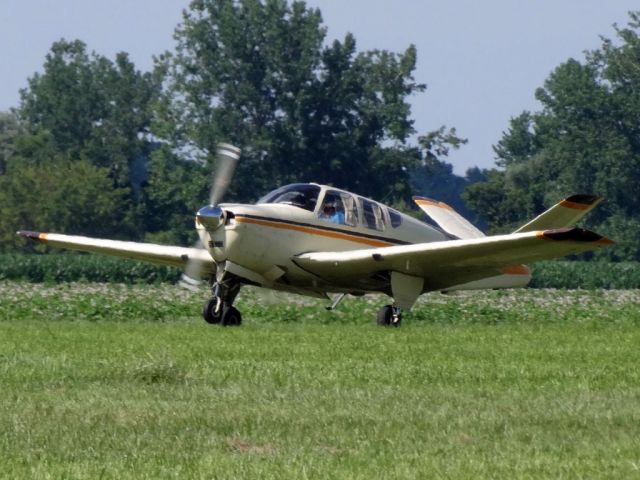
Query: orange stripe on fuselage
(314, 231)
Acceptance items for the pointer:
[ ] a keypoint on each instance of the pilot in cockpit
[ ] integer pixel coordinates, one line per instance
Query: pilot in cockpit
(332, 210)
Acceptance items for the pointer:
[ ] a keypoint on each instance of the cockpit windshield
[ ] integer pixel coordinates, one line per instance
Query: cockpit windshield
(301, 195)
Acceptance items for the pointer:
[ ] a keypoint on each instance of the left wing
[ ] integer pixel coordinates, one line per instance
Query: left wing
(454, 262)
(146, 252)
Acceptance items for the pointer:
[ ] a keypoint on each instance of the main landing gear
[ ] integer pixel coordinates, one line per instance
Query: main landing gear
(389, 316)
(405, 290)
(219, 308)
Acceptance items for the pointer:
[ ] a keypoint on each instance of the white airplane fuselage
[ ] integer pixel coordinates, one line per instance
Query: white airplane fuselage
(259, 243)
(261, 237)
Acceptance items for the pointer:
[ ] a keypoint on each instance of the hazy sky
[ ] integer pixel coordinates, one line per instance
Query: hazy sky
(481, 60)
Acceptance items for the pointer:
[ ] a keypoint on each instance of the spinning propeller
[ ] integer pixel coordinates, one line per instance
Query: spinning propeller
(212, 216)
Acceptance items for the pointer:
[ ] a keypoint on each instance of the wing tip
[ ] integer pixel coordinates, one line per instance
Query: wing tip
(429, 201)
(32, 234)
(581, 201)
(575, 235)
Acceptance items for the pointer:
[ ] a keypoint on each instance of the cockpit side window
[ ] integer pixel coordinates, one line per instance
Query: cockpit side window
(301, 195)
(339, 207)
(373, 215)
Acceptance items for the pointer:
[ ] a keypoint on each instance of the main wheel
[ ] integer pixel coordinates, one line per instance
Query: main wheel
(384, 316)
(231, 317)
(209, 312)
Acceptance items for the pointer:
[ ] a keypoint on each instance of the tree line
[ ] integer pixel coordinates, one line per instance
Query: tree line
(97, 147)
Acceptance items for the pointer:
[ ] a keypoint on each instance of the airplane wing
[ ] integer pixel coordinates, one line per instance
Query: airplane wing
(146, 252)
(453, 262)
(565, 213)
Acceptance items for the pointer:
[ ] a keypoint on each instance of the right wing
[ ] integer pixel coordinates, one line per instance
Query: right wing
(565, 213)
(445, 264)
(146, 252)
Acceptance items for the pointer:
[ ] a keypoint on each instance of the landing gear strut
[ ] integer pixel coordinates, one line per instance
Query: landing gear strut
(219, 308)
(389, 316)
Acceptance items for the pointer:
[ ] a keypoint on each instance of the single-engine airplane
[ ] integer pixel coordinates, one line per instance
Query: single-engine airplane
(318, 240)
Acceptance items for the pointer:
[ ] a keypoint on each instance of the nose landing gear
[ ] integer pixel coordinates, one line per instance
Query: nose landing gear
(219, 308)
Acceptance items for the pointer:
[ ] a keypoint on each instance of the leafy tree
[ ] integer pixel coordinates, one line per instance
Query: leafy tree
(9, 130)
(435, 179)
(585, 139)
(174, 191)
(86, 108)
(258, 74)
(61, 194)
(92, 107)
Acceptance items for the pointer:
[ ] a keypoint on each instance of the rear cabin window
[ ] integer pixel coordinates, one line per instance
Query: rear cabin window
(395, 217)
(373, 217)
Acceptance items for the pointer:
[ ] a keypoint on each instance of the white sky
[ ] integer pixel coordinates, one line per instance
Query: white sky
(481, 60)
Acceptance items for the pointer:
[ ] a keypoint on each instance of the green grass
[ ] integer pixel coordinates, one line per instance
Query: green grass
(128, 382)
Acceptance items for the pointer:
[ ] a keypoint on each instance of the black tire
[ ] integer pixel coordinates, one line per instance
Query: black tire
(231, 317)
(208, 312)
(384, 316)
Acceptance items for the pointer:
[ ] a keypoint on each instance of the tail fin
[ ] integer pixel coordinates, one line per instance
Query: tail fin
(448, 219)
(565, 213)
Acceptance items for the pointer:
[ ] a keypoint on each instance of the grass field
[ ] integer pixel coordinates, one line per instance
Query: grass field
(112, 381)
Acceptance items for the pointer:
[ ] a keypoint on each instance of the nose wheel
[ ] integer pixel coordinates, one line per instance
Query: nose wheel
(219, 309)
(212, 311)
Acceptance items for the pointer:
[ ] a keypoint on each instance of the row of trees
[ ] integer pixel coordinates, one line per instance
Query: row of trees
(585, 139)
(97, 147)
